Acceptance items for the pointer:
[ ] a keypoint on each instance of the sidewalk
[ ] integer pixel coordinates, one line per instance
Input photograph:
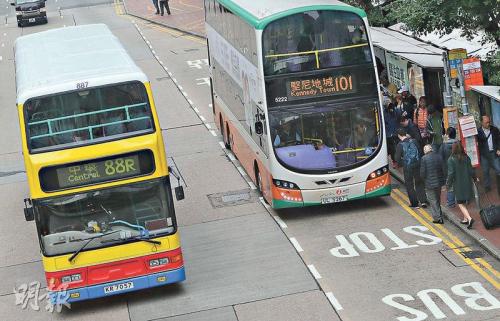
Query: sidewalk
(488, 239)
(187, 15)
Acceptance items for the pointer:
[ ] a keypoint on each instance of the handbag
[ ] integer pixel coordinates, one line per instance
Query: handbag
(490, 213)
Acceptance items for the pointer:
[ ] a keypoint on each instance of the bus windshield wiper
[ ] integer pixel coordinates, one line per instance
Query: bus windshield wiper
(72, 257)
(138, 238)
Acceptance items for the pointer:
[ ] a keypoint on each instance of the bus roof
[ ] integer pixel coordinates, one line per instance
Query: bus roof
(259, 13)
(57, 60)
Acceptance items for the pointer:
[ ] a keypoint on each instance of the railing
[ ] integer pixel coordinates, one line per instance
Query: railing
(53, 132)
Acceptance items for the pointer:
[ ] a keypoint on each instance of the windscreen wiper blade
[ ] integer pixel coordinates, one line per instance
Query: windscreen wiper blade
(72, 257)
(138, 238)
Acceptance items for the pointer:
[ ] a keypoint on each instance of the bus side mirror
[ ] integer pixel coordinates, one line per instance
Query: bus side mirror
(29, 214)
(179, 193)
(13, 4)
(259, 128)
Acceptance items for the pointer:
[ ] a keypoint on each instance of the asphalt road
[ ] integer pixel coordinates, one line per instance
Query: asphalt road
(362, 261)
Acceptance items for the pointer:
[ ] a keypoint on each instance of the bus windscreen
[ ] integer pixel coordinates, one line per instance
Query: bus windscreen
(314, 40)
(87, 116)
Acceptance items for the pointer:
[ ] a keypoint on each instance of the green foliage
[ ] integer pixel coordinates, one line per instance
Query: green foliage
(423, 16)
(376, 15)
(491, 69)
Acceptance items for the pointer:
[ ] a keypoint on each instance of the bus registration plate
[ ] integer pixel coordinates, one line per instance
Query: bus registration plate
(333, 199)
(118, 287)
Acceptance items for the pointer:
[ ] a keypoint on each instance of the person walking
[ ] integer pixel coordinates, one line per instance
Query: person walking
(408, 156)
(412, 130)
(409, 101)
(431, 171)
(391, 124)
(155, 3)
(489, 150)
(164, 5)
(445, 152)
(460, 178)
(435, 127)
(420, 119)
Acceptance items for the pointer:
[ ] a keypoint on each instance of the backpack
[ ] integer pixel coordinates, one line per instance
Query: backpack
(410, 153)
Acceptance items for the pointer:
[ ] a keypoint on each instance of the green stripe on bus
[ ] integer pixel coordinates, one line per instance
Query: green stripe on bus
(262, 23)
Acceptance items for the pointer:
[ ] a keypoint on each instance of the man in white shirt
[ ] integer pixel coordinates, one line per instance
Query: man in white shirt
(489, 150)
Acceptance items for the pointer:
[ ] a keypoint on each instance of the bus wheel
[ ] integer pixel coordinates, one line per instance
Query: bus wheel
(258, 179)
(228, 136)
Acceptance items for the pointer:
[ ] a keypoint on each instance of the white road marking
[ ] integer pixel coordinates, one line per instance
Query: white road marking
(252, 185)
(296, 244)
(202, 118)
(153, 52)
(314, 272)
(241, 170)
(1, 58)
(280, 221)
(190, 101)
(184, 93)
(208, 126)
(196, 110)
(169, 73)
(180, 87)
(174, 80)
(222, 145)
(333, 300)
(231, 157)
(213, 133)
(3, 45)
(161, 63)
(210, 105)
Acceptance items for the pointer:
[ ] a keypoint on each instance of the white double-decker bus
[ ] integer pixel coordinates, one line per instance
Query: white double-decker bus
(295, 95)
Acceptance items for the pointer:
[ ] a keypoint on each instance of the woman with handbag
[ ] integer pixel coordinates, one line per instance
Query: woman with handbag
(460, 178)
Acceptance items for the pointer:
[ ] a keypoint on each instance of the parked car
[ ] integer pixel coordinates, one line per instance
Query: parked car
(30, 11)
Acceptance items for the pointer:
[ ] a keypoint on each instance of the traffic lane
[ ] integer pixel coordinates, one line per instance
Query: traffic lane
(228, 262)
(186, 60)
(365, 255)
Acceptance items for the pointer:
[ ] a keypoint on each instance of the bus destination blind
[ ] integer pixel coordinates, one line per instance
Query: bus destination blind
(311, 87)
(97, 171)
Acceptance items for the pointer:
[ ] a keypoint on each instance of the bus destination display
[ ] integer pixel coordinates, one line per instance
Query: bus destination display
(319, 86)
(97, 171)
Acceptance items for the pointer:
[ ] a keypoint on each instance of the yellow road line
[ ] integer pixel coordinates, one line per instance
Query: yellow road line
(451, 236)
(448, 243)
(176, 33)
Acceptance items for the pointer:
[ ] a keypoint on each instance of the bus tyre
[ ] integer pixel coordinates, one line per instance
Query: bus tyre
(227, 138)
(258, 179)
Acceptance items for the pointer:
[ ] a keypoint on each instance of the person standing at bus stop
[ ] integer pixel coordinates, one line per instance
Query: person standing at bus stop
(460, 178)
(408, 156)
(164, 5)
(431, 172)
(489, 150)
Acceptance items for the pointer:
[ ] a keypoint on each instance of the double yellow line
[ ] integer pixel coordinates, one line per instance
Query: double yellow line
(453, 242)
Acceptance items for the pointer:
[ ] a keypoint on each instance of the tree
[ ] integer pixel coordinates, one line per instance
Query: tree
(471, 16)
(374, 10)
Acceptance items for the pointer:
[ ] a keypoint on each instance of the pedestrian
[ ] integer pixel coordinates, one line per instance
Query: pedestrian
(460, 178)
(408, 156)
(445, 151)
(431, 171)
(155, 3)
(435, 127)
(404, 109)
(420, 119)
(391, 124)
(489, 150)
(164, 4)
(409, 101)
(412, 130)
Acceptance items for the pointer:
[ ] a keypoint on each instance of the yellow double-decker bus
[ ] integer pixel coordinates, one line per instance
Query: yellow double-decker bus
(100, 192)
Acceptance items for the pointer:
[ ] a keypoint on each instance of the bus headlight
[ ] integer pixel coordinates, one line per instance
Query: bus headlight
(285, 184)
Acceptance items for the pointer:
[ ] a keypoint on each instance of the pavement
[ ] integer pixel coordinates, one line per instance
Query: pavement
(488, 239)
(187, 15)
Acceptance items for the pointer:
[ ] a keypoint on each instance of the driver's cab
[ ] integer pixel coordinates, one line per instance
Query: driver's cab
(30, 11)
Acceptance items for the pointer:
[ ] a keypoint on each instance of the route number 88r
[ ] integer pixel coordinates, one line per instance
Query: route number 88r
(119, 166)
